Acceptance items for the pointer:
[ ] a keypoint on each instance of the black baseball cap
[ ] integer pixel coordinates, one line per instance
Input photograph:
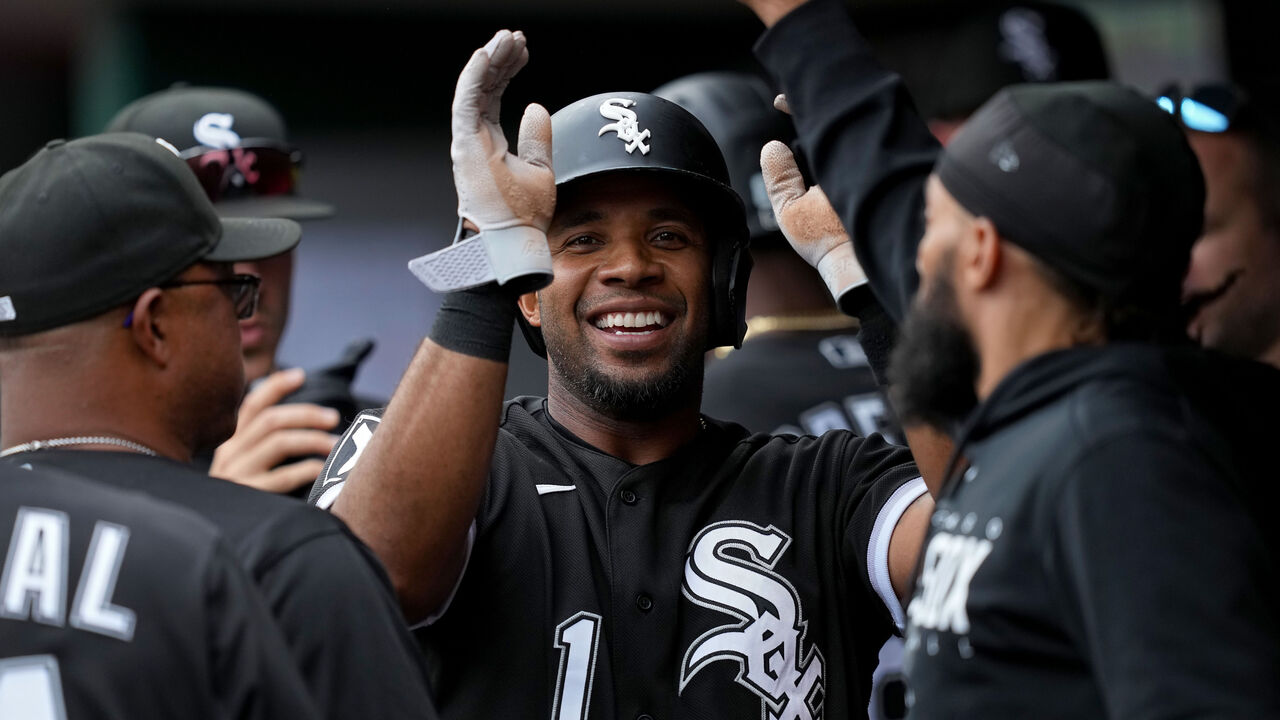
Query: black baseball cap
(87, 225)
(236, 143)
(974, 54)
(1093, 178)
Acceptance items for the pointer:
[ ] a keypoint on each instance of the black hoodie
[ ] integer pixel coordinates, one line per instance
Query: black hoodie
(1094, 557)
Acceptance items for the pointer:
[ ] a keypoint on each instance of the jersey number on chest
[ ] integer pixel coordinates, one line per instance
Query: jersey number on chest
(577, 639)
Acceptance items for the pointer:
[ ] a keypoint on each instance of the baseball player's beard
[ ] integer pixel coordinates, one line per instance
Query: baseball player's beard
(935, 365)
(632, 399)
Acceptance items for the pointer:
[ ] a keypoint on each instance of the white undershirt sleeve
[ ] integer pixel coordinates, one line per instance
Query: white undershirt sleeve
(878, 548)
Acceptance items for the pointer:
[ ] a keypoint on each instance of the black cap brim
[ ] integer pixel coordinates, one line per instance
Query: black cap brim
(274, 206)
(246, 239)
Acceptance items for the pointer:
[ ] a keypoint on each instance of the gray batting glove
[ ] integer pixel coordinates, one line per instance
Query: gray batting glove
(808, 221)
(510, 198)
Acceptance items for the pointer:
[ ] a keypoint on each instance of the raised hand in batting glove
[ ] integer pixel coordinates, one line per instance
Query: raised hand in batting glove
(809, 223)
(509, 198)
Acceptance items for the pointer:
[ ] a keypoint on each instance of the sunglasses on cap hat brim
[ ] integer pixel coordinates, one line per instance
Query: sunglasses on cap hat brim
(1212, 108)
(256, 167)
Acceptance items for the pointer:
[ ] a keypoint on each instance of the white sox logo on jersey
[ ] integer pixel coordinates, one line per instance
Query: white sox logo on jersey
(730, 569)
(627, 126)
(350, 448)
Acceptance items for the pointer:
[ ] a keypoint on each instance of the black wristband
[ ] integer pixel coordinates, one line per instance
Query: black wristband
(878, 336)
(476, 322)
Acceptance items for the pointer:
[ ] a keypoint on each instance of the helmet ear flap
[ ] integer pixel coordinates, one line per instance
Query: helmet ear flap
(730, 270)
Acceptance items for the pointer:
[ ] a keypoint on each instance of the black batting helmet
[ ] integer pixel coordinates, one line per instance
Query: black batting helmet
(637, 132)
(737, 109)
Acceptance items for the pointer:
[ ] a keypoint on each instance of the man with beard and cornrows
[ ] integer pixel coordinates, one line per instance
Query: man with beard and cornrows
(608, 549)
(1092, 553)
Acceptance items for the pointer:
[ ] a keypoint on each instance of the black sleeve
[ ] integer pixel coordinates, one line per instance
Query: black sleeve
(867, 146)
(254, 676)
(333, 602)
(1158, 566)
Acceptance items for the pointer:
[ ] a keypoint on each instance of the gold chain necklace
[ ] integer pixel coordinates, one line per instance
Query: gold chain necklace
(799, 322)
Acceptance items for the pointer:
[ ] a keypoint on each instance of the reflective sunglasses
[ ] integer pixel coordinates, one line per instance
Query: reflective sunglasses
(1210, 108)
(256, 167)
(242, 289)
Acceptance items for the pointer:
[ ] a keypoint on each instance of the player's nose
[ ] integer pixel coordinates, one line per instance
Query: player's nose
(630, 263)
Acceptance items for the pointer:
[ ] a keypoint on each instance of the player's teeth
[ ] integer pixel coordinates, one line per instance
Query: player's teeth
(631, 320)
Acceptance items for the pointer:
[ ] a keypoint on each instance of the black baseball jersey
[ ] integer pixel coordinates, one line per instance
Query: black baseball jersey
(802, 383)
(806, 383)
(117, 606)
(327, 591)
(744, 576)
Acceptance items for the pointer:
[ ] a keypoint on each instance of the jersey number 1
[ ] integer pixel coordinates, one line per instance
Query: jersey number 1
(31, 688)
(577, 640)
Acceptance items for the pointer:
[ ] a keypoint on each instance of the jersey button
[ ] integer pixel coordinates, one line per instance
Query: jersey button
(628, 497)
(644, 602)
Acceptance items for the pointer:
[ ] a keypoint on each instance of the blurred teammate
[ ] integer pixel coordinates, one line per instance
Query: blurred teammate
(1232, 288)
(984, 50)
(120, 353)
(1048, 241)
(800, 356)
(608, 549)
(236, 144)
(114, 605)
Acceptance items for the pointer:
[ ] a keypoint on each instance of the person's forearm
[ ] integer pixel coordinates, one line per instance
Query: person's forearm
(868, 148)
(420, 481)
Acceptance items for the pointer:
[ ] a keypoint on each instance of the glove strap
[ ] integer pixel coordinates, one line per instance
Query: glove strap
(501, 255)
(841, 272)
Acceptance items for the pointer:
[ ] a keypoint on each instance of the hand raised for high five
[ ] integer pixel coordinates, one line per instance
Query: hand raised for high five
(509, 198)
(808, 221)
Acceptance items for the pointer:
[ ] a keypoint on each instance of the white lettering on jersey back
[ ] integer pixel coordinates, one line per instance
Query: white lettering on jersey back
(627, 125)
(843, 352)
(92, 609)
(950, 562)
(34, 584)
(214, 130)
(730, 568)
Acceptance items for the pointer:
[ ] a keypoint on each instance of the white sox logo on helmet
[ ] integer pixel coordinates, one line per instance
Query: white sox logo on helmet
(626, 124)
(730, 568)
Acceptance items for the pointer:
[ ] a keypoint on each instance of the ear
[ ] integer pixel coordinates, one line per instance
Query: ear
(148, 325)
(529, 307)
(980, 255)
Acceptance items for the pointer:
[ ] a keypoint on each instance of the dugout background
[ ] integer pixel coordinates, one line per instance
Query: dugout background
(366, 87)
